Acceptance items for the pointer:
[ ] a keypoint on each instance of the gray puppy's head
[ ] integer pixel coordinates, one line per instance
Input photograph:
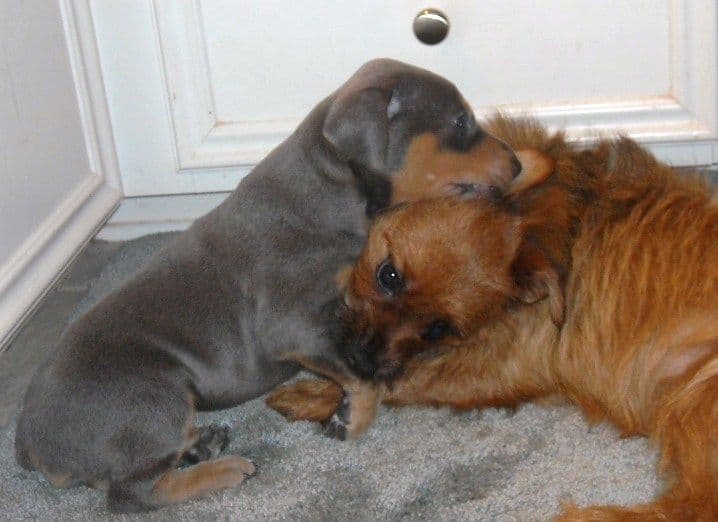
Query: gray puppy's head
(373, 117)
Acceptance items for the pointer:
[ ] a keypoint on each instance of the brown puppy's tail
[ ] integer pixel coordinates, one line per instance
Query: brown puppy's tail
(177, 485)
(307, 399)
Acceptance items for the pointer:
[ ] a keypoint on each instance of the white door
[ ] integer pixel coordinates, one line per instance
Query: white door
(200, 90)
(58, 168)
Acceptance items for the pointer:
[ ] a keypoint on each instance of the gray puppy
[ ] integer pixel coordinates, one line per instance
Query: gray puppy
(234, 305)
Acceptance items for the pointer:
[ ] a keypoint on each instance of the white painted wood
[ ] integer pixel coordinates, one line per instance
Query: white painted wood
(138, 216)
(58, 163)
(139, 106)
(201, 90)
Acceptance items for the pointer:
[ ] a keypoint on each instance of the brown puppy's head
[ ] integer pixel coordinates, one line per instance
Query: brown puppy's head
(434, 272)
(489, 168)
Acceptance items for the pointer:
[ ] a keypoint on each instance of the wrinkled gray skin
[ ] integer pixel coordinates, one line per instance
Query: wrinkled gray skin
(208, 321)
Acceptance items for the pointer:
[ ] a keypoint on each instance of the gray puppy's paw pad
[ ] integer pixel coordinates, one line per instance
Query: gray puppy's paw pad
(213, 439)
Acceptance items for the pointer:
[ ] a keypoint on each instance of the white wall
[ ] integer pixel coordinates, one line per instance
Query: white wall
(58, 171)
(40, 132)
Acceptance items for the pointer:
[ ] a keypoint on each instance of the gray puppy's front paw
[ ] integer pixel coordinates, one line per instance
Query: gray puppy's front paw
(338, 425)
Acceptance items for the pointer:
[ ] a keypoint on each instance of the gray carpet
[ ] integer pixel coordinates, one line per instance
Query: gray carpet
(414, 463)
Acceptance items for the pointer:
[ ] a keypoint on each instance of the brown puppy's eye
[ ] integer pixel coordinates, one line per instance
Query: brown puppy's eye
(388, 278)
(436, 330)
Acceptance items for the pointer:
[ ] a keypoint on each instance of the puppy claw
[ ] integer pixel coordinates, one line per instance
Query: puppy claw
(336, 429)
(343, 412)
(338, 426)
(249, 468)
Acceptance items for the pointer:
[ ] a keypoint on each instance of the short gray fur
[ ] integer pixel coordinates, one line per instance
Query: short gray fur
(219, 315)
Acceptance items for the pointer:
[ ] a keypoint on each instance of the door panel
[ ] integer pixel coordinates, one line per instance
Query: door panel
(201, 90)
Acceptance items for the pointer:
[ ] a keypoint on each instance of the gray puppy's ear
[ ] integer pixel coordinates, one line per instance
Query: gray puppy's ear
(357, 127)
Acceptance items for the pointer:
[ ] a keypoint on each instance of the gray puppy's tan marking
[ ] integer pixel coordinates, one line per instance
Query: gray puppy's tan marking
(208, 322)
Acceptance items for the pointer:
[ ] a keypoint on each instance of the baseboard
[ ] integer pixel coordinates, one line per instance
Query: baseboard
(686, 154)
(46, 254)
(146, 215)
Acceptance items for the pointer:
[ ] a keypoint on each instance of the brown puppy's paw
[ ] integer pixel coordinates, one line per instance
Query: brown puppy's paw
(308, 399)
(213, 439)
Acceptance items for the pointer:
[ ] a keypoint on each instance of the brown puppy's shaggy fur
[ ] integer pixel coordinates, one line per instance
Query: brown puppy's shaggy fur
(639, 344)
(489, 169)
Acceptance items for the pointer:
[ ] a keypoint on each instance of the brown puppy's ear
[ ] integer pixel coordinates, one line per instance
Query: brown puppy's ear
(536, 278)
(357, 126)
(536, 167)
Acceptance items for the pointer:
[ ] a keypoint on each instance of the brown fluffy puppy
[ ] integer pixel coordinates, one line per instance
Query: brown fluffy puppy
(431, 170)
(639, 343)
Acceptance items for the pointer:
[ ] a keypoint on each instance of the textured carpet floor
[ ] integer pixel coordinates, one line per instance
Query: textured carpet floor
(414, 463)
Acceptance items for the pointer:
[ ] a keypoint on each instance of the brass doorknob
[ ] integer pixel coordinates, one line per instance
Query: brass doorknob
(431, 26)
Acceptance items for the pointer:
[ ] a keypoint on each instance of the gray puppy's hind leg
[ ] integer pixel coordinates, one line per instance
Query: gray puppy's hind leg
(162, 483)
(165, 484)
(23, 459)
(162, 488)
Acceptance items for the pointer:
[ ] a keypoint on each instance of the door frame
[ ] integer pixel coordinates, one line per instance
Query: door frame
(42, 258)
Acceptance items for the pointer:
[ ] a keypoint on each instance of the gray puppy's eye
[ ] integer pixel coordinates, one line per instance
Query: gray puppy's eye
(388, 278)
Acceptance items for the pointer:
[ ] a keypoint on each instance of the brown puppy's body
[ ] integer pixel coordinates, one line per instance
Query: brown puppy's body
(639, 344)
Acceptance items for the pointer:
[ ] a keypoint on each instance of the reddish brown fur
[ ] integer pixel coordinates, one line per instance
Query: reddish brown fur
(639, 345)
(429, 172)
(178, 485)
(396, 236)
